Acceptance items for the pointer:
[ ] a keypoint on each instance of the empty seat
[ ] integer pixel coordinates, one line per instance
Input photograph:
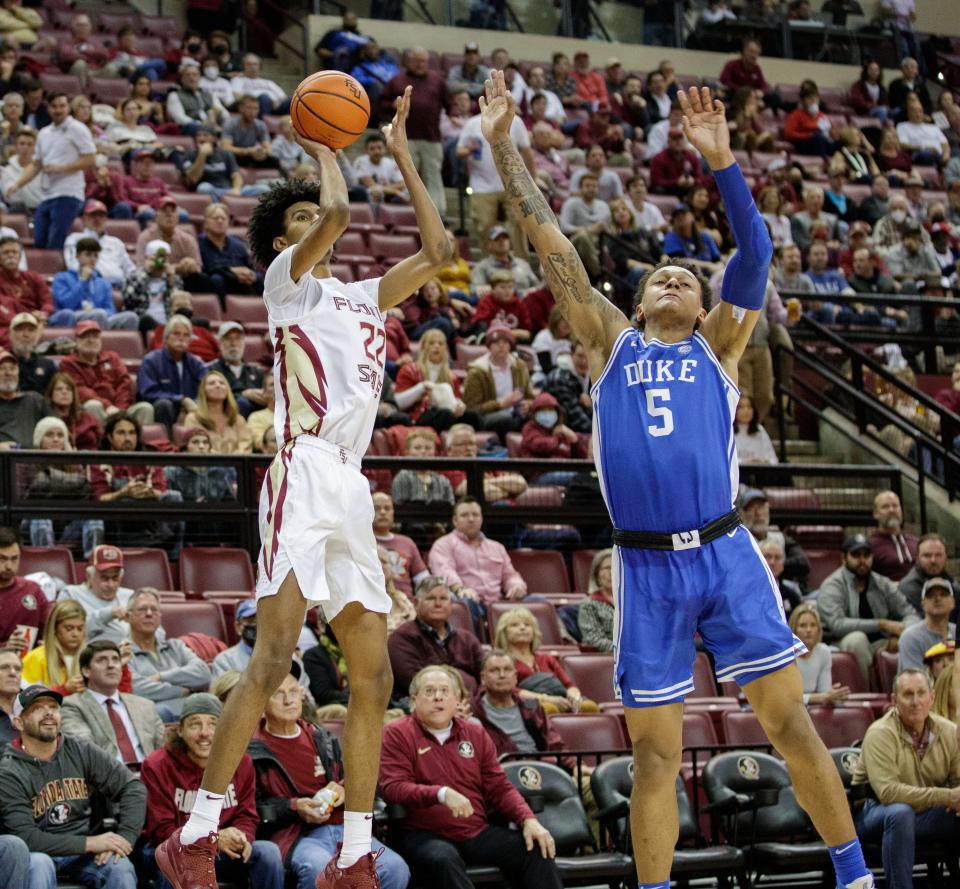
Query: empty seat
(593, 675)
(207, 305)
(543, 569)
(846, 671)
(127, 230)
(361, 218)
(147, 567)
(193, 203)
(580, 563)
(240, 208)
(342, 271)
(823, 562)
(392, 215)
(19, 223)
(698, 731)
(791, 498)
(460, 618)
(108, 90)
(54, 560)
(884, 670)
(44, 262)
(544, 612)
(841, 726)
(54, 82)
(352, 247)
(590, 731)
(743, 727)
(161, 25)
(112, 22)
(152, 433)
(180, 618)
(215, 568)
(128, 344)
(393, 247)
(170, 174)
(250, 311)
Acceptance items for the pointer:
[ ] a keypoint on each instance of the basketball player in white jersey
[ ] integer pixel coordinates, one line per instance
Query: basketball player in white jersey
(316, 512)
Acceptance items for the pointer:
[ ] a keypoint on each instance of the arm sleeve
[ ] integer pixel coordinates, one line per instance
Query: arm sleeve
(745, 278)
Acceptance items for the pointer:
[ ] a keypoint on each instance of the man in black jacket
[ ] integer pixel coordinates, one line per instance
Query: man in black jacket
(246, 380)
(571, 387)
(47, 782)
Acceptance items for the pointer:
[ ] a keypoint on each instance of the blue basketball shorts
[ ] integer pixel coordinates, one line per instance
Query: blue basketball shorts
(723, 590)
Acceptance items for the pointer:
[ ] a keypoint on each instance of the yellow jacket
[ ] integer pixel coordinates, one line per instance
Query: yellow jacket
(20, 24)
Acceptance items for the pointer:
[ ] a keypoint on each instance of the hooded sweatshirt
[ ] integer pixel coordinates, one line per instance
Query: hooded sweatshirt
(544, 443)
(47, 802)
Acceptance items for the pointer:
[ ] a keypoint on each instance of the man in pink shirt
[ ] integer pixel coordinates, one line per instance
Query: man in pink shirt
(591, 87)
(406, 563)
(475, 567)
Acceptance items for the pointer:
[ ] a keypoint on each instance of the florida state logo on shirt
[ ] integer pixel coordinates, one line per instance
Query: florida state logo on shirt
(29, 601)
(465, 749)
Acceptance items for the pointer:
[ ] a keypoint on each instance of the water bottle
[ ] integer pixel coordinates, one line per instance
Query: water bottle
(326, 796)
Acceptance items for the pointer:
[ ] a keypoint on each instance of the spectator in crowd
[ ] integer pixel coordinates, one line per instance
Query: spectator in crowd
(560, 81)
(891, 157)
(182, 246)
(909, 83)
(406, 564)
(430, 392)
(64, 150)
(19, 411)
(537, 86)
(836, 201)
(755, 514)
(124, 726)
(374, 68)
(261, 421)
(216, 411)
(29, 196)
(825, 279)
(675, 169)
(546, 435)
(113, 262)
(913, 258)
(270, 95)
(501, 257)
(285, 148)
(47, 784)
(123, 134)
(745, 71)
(609, 184)
(22, 291)
(84, 295)
(378, 173)
(226, 260)
(894, 550)
(591, 87)
(686, 239)
(475, 567)
(583, 219)
(421, 485)
(203, 342)
(247, 381)
(659, 101)
(553, 341)
(939, 659)
(238, 656)
(931, 563)
(774, 554)
(891, 228)
(430, 639)
(553, 168)
(855, 156)
(925, 141)
(503, 401)
(19, 24)
(807, 127)
(36, 371)
(55, 662)
(595, 615)
(35, 110)
(172, 775)
(868, 95)
(164, 670)
(306, 826)
(126, 60)
(192, 108)
(210, 170)
(102, 381)
(867, 277)
(201, 484)
(462, 443)
(570, 385)
(815, 665)
(503, 307)
(23, 606)
(753, 441)
(102, 595)
(813, 218)
(937, 604)
(876, 205)
(862, 611)
(771, 205)
(169, 378)
(788, 276)
(338, 45)
(748, 132)
(429, 97)
(84, 54)
(430, 307)
(470, 74)
(11, 670)
(914, 797)
(246, 137)
(148, 290)
(12, 122)
(446, 828)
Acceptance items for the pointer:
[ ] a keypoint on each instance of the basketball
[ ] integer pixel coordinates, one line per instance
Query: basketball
(330, 107)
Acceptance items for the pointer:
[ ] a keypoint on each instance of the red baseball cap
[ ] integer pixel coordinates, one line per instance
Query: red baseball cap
(105, 556)
(85, 327)
(94, 207)
(164, 201)
(8, 356)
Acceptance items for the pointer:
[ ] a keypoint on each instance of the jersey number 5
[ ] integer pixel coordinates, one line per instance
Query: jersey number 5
(659, 412)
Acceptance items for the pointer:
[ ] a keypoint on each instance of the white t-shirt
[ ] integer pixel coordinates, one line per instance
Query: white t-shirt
(650, 216)
(484, 178)
(921, 135)
(256, 86)
(385, 173)
(502, 380)
(63, 144)
(329, 351)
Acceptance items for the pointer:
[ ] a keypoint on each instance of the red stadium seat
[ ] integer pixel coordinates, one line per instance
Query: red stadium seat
(207, 305)
(590, 731)
(147, 567)
(846, 671)
(580, 563)
(743, 727)
(153, 433)
(393, 247)
(180, 618)
(108, 90)
(841, 726)
(704, 682)
(171, 596)
(460, 618)
(193, 203)
(392, 215)
(170, 174)
(215, 568)
(791, 498)
(112, 22)
(543, 569)
(227, 601)
(544, 612)
(250, 311)
(884, 670)
(127, 230)
(44, 262)
(514, 443)
(126, 343)
(593, 675)
(343, 271)
(362, 219)
(823, 562)
(54, 82)
(20, 224)
(818, 536)
(161, 25)
(334, 726)
(240, 208)
(698, 731)
(467, 352)
(54, 560)
(352, 247)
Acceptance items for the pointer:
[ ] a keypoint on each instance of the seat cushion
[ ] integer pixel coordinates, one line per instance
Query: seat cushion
(598, 866)
(789, 855)
(711, 859)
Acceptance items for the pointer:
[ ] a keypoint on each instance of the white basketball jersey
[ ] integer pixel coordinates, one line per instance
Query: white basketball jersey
(329, 351)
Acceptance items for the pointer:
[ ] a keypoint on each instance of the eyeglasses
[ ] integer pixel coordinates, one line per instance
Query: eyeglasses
(443, 691)
(147, 609)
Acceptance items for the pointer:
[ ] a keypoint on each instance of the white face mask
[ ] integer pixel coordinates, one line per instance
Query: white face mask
(814, 107)
(898, 216)
(211, 73)
(547, 419)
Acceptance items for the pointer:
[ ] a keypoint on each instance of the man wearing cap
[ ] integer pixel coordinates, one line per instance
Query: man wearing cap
(172, 774)
(755, 515)
(184, 251)
(113, 261)
(64, 150)
(591, 87)
(931, 562)
(500, 257)
(35, 370)
(226, 260)
(210, 170)
(102, 595)
(148, 290)
(862, 611)
(47, 785)
(190, 107)
(103, 382)
(469, 75)
(238, 656)
(22, 291)
(913, 258)
(246, 380)
(169, 378)
(83, 294)
(19, 410)
(141, 189)
(937, 605)
(124, 726)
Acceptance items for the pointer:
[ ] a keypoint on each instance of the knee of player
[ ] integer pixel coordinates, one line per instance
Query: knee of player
(270, 663)
(655, 759)
(372, 679)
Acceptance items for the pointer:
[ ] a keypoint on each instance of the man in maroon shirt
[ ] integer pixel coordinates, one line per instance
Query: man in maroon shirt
(423, 126)
(141, 189)
(444, 771)
(675, 169)
(894, 550)
(103, 382)
(23, 606)
(22, 291)
(745, 71)
(429, 639)
(406, 563)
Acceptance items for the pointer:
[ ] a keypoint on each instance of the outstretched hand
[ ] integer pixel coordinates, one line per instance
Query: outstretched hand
(497, 108)
(705, 125)
(317, 150)
(395, 132)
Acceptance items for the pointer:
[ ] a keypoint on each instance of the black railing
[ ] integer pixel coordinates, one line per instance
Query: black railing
(284, 17)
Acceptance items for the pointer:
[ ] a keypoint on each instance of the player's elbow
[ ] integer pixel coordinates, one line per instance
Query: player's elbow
(439, 253)
(336, 215)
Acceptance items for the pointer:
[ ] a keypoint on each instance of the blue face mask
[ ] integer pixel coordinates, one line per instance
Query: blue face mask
(547, 419)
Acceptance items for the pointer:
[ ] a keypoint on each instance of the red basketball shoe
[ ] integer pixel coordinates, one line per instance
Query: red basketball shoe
(189, 866)
(361, 874)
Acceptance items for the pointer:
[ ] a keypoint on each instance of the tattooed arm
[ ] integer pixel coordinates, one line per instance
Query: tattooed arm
(593, 318)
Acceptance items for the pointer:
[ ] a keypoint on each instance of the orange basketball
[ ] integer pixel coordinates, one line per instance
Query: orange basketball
(330, 107)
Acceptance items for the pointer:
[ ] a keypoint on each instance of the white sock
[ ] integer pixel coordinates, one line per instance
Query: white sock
(357, 831)
(204, 817)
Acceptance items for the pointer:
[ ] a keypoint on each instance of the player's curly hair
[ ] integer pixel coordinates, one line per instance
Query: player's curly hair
(706, 295)
(266, 220)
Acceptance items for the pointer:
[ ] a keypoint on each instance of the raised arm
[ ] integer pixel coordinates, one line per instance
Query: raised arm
(594, 319)
(410, 274)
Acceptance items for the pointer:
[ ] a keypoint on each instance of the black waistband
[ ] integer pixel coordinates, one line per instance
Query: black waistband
(682, 539)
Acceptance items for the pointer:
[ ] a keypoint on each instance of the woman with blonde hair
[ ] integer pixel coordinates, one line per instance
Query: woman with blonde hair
(946, 694)
(539, 675)
(217, 413)
(816, 665)
(595, 617)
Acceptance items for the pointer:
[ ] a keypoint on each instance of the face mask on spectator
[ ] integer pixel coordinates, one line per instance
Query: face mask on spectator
(249, 635)
(211, 73)
(547, 419)
(898, 216)
(813, 107)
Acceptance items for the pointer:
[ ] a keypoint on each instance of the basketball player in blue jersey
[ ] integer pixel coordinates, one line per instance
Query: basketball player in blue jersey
(664, 397)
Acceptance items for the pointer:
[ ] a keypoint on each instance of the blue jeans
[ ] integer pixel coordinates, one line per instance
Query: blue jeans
(52, 221)
(89, 531)
(311, 854)
(155, 69)
(82, 869)
(264, 869)
(14, 861)
(116, 321)
(248, 191)
(898, 827)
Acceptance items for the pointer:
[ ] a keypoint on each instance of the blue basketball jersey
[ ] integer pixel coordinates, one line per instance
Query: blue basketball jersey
(664, 442)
